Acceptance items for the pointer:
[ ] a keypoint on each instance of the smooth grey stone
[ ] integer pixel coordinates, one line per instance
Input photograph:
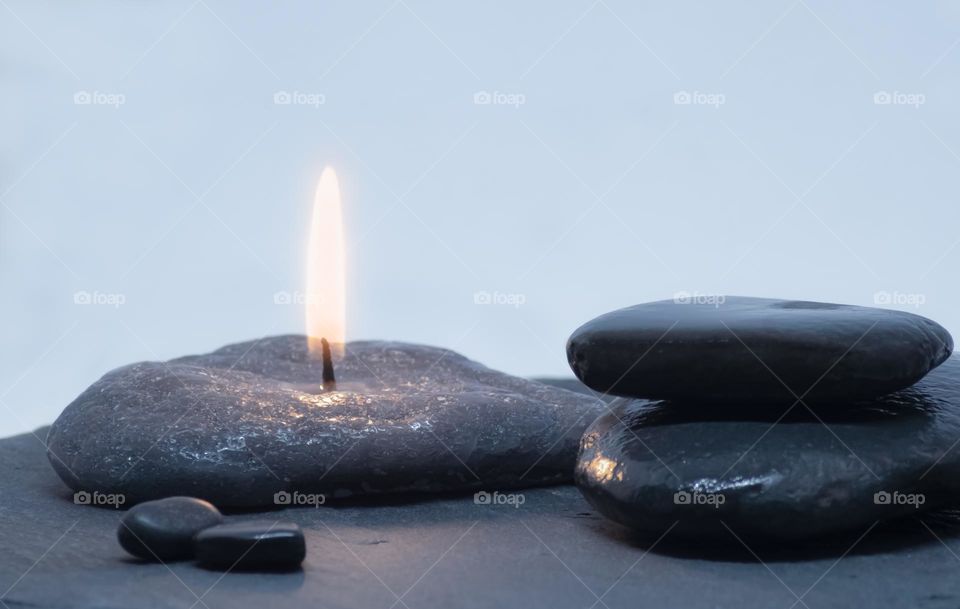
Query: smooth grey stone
(164, 529)
(755, 349)
(241, 424)
(648, 465)
(256, 544)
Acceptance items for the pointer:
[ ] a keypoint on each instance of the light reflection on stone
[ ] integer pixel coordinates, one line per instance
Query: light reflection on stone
(403, 418)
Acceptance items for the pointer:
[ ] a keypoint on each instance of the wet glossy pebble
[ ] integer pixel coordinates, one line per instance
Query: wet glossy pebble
(738, 349)
(251, 545)
(765, 475)
(164, 529)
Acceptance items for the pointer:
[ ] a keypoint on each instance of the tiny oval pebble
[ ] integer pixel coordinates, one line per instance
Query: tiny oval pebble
(164, 529)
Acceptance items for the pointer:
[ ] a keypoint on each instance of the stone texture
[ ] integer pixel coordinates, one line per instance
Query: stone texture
(253, 544)
(238, 425)
(164, 529)
(747, 349)
(795, 477)
(489, 557)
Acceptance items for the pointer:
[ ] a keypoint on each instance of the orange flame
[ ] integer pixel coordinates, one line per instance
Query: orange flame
(326, 269)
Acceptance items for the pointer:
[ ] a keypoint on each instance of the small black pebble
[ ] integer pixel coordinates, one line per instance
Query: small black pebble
(164, 529)
(251, 545)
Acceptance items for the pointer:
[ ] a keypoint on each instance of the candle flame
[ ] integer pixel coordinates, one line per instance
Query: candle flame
(326, 269)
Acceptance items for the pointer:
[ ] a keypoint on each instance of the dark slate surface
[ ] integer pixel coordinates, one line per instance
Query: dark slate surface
(553, 551)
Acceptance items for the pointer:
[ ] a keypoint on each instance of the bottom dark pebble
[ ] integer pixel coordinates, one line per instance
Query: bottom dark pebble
(251, 545)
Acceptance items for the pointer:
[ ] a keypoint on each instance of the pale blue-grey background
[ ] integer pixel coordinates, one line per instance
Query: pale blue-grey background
(595, 190)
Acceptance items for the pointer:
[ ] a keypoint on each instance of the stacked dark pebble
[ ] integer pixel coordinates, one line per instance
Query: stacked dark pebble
(184, 528)
(767, 419)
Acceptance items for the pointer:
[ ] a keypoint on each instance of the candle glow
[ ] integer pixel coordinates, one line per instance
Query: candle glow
(326, 269)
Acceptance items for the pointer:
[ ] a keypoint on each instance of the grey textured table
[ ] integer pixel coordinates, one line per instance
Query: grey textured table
(553, 551)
